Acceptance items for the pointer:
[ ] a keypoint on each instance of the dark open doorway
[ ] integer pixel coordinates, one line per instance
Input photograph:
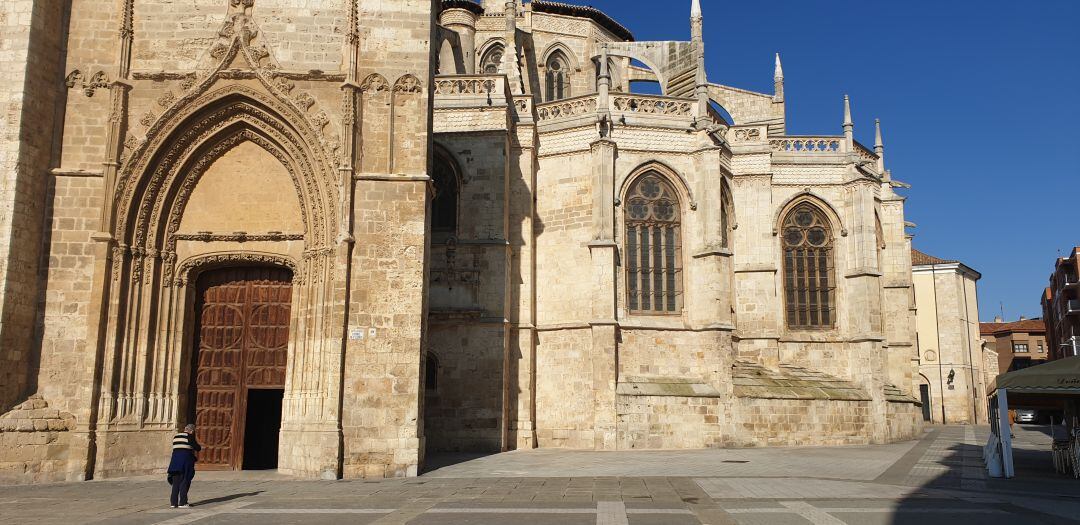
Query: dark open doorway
(924, 394)
(261, 429)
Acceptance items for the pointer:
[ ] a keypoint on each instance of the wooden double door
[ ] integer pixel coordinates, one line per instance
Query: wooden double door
(241, 349)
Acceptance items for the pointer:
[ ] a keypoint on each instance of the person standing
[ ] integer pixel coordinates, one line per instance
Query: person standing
(182, 466)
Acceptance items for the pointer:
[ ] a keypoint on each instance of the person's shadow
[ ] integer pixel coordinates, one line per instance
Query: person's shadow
(222, 499)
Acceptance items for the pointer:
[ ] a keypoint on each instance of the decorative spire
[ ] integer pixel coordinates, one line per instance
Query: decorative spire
(696, 22)
(603, 89)
(849, 127)
(879, 147)
(778, 81)
(603, 81)
(510, 65)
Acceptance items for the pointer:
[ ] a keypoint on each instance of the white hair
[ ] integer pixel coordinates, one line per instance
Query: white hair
(190, 427)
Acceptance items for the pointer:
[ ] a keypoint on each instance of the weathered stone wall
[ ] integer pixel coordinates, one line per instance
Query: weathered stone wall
(176, 36)
(382, 390)
(66, 376)
(30, 72)
(465, 413)
(666, 422)
(36, 444)
(791, 423)
(564, 363)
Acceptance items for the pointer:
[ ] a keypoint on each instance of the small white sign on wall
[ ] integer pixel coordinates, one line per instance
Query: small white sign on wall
(356, 334)
(371, 333)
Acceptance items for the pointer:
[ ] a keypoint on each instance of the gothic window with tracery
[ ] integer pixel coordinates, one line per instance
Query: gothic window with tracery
(558, 77)
(809, 286)
(444, 206)
(653, 246)
(489, 64)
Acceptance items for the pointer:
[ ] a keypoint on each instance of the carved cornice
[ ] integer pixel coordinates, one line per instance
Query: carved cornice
(205, 236)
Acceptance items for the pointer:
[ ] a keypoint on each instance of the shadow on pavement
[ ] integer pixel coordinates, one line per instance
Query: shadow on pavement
(436, 461)
(230, 497)
(1037, 494)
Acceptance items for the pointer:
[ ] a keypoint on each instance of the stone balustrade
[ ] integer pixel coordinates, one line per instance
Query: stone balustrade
(468, 85)
(808, 145)
(748, 134)
(462, 91)
(565, 109)
(653, 105)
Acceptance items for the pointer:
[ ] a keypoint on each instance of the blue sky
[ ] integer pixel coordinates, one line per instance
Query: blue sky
(977, 100)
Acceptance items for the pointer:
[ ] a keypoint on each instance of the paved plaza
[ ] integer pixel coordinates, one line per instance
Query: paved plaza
(937, 479)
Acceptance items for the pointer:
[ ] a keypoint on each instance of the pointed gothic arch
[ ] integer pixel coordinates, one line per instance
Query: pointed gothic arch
(676, 178)
(150, 320)
(167, 164)
(557, 76)
(808, 260)
(652, 229)
(838, 227)
(491, 57)
(446, 179)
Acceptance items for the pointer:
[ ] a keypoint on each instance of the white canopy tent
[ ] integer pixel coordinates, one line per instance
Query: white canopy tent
(1051, 385)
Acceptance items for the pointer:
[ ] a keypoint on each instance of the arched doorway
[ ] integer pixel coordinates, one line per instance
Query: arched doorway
(925, 398)
(240, 344)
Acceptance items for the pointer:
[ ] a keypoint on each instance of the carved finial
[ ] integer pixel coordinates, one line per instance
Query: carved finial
(603, 90)
(510, 65)
(778, 81)
(879, 147)
(696, 22)
(605, 72)
(877, 135)
(849, 126)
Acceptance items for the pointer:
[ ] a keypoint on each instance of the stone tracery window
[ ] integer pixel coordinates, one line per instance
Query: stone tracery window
(557, 77)
(492, 59)
(653, 246)
(809, 285)
(444, 206)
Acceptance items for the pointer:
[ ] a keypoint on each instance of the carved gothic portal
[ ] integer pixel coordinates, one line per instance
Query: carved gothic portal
(241, 348)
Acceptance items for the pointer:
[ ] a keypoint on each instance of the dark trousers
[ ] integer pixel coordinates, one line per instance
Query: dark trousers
(181, 484)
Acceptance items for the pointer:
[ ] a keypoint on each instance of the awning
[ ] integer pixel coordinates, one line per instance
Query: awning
(1042, 385)
(1060, 377)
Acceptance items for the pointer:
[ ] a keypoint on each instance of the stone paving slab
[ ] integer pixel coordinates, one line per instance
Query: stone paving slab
(857, 462)
(888, 487)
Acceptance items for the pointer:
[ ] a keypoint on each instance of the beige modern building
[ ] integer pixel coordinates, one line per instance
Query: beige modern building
(384, 229)
(952, 360)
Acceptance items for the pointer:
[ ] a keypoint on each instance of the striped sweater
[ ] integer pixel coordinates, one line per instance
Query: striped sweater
(185, 441)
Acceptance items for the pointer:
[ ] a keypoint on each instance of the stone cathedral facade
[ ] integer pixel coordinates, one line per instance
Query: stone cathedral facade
(383, 229)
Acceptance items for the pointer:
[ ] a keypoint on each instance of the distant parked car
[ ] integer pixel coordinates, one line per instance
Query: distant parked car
(1027, 415)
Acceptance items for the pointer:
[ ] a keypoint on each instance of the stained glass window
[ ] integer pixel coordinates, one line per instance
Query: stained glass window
(489, 65)
(809, 285)
(558, 77)
(653, 246)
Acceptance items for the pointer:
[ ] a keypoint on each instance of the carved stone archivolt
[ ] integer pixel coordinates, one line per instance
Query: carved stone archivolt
(187, 128)
(189, 270)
